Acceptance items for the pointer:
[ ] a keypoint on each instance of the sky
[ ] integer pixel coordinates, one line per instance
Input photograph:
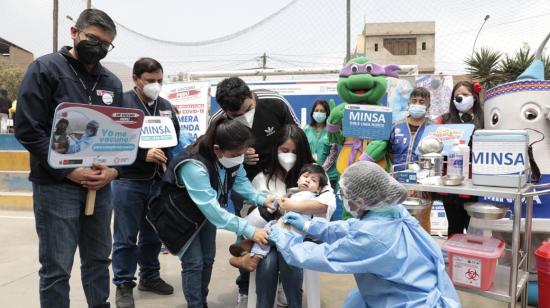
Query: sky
(308, 33)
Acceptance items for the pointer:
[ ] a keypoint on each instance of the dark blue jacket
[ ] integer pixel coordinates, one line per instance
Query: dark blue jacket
(140, 169)
(48, 82)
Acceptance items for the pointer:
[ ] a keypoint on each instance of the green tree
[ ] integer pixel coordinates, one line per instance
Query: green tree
(10, 78)
(483, 66)
(512, 66)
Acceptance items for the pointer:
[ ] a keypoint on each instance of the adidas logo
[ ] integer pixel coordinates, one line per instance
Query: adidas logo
(269, 131)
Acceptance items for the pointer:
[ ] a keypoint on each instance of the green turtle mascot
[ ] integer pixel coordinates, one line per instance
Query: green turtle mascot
(361, 81)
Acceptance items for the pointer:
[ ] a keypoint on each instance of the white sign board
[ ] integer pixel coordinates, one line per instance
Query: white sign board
(191, 101)
(86, 134)
(157, 132)
(367, 122)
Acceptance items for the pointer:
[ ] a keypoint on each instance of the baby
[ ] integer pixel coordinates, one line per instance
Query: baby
(60, 138)
(247, 254)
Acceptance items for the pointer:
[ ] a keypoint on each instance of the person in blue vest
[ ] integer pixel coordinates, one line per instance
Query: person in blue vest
(394, 262)
(404, 139)
(193, 203)
(406, 133)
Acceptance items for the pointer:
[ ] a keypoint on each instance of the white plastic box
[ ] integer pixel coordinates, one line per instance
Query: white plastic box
(499, 157)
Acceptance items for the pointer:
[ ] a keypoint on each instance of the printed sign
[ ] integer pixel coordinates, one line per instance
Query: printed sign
(498, 158)
(191, 101)
(467, 271)
(438, 219)
(448, 133)
(158, 132)
(367, 122)
(86, 134)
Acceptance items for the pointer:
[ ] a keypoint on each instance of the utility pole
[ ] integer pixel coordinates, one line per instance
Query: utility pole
(264, 63)
(478, 32)
(55, 23)
(88, 4)
(348, 30)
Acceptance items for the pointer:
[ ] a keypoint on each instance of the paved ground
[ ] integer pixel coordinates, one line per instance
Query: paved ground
(19, 274)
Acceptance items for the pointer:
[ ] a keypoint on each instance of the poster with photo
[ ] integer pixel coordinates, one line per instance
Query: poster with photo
(398, 93)
(448, 133)
(441, 88)
(85, 134)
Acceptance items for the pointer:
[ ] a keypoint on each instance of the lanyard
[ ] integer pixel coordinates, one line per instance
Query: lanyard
(223, 194)
(145, 106)
(89, 93)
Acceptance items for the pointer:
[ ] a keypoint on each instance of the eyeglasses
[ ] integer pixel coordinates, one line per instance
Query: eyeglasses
(94, 41)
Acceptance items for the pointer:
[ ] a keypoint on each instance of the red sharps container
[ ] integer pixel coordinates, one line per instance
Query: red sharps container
(543, 269)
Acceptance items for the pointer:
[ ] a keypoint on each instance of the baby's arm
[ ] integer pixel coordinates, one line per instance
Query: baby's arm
(312, 207)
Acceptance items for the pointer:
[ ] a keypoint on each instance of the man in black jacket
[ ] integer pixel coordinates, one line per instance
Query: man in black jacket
(264, 112)
(139, 183)
(59, 195)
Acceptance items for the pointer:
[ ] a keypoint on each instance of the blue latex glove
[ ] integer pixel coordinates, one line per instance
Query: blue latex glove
(294, 219)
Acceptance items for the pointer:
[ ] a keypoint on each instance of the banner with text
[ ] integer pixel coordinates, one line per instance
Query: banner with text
(191, 101)
(86, 134)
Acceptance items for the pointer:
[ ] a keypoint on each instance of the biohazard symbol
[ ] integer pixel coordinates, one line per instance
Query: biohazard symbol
(472, 274)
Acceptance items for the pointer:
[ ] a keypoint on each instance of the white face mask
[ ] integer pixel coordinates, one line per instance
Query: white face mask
(287, 160)
(247, 118)
(152, 90)
(345, 202)
(319, 117)
(417, 111)
(463, 103)
(228, 162)
(89, 132)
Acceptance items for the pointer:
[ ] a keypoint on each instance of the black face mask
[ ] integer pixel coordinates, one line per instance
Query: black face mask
(88, 53)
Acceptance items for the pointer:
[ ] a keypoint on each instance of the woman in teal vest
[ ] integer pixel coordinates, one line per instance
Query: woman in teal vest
(193, 203)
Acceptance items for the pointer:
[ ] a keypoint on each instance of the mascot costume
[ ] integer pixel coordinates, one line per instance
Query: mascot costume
(525, 104)
(361, 81)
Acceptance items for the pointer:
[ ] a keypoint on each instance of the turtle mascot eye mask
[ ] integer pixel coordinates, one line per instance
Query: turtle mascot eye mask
(361, 81)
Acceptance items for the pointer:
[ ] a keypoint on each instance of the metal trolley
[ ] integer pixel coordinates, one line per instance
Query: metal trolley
(505, 290)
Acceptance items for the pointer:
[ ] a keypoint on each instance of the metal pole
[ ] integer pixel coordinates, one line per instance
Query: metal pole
(55, 23)
(478, 32)
(515, 251)
(88, 4)
(264, 62)
(527, 237)
(348, 30)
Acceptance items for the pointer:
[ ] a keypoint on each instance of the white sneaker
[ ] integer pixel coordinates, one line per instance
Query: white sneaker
(281, 297)
(242, 301)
